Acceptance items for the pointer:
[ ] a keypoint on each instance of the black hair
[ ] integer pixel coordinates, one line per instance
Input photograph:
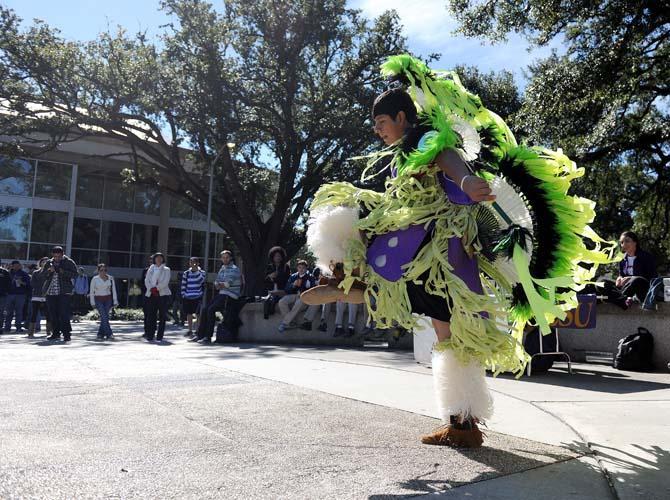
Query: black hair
(157, 254)
(57, 249)
(392, 102)
(632, 236)
(279, 250)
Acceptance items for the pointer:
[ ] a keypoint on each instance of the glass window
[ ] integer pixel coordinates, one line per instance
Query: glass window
(198, 216)
(179, 241)
(53, 180)
(39, 250)
(85, 257)
(118, 196)
(115, 259)
(14, 223)
(140, 260)
(218, 242)
(198, 243)
(89, 191)
(13, 250)
(16, 176)
(180, 209)
(86, 233)
(177, 263)
(145, 239)
(115, 235)
(49, 227)
(147, 200)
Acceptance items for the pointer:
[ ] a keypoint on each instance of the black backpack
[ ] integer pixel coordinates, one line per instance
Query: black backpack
(635, 352)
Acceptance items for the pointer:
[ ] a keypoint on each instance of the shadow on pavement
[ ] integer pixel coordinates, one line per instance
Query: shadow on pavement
(593, 380)
(496, 460)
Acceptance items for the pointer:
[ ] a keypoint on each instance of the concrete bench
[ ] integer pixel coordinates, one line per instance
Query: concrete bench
(612, 324)
(255, 329)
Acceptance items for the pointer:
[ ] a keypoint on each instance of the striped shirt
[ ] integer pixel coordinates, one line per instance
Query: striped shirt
(192, 284)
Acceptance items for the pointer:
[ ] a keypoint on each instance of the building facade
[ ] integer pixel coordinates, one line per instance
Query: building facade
(75, 198)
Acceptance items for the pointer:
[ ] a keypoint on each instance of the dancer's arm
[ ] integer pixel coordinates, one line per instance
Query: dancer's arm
(475, 187)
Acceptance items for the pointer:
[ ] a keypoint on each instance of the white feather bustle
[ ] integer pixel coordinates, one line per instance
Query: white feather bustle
(329, 229)
(460, 389)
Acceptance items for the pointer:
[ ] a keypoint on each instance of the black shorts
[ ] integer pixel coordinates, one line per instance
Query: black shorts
(191, 306)
(422, 302)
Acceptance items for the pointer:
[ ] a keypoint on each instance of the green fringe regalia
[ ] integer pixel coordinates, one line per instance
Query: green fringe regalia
(521, 284)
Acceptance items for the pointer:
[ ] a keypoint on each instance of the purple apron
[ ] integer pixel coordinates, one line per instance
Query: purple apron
(389, 252)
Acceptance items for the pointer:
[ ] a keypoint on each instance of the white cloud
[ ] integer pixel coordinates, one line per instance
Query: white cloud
(421, 20)
(430, 27)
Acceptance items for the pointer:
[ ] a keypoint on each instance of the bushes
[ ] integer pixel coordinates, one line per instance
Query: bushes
(117, 314)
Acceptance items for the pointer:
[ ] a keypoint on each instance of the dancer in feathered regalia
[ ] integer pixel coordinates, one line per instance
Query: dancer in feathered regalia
(473, 231)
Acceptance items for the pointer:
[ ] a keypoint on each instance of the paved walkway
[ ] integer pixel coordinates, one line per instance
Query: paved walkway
(133, 420)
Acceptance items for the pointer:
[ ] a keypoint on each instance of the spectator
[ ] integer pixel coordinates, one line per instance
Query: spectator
(39, 304)
(5, 282)
(636, 271)
(177, 304)
(80, 292)
(143, 286)
(192, 290)
(229, 285)
(157, 283)
(59, 271)
(28, 304)
(290, 304)
(16, 297)
(276, 277)
(339, 316)
(134, 292)
(103, 297)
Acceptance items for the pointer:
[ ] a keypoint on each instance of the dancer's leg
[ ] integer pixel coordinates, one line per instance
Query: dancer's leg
(463, 398)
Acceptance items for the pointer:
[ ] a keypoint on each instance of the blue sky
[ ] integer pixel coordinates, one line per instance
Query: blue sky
(427, 23)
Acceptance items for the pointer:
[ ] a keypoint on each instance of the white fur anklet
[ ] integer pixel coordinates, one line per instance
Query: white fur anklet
(460, 389)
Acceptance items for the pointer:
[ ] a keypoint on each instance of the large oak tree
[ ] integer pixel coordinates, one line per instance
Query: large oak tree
(289, 83)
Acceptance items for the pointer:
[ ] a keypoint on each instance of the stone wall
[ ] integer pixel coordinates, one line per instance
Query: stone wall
(613, 324)
(255, 329)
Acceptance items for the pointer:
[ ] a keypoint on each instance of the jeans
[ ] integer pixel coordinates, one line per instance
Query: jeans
(59, 315)
(104, 330)
(655, 291)
(156, 309)
(3, 301)
(220, 302)
(14, 308)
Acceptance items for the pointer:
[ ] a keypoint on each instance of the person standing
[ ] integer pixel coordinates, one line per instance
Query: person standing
(192, 290)
(59, 271)
(5, 282)
(145, 300)
(80, 292)
(158, 294)
(102, 295)
(39, 302)
(177, 305)
(229, 285)
(16, 297)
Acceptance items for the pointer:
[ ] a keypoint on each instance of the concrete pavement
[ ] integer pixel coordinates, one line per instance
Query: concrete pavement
(186, 420)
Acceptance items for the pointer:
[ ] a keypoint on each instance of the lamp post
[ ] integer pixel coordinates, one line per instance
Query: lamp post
(229, 146)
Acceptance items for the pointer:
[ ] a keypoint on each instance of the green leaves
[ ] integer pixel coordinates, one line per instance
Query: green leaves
(604, 100)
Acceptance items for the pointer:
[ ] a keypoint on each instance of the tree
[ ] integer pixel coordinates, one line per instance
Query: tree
(604, 101)
(288, 82)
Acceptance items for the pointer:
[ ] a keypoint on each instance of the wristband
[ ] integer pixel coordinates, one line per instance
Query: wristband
(463, 179)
